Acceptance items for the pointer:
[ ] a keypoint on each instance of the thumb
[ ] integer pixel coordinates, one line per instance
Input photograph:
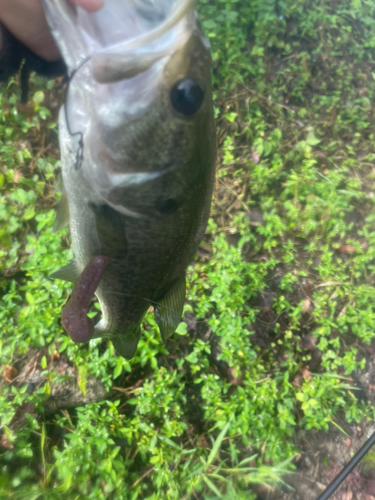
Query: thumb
(89, 5)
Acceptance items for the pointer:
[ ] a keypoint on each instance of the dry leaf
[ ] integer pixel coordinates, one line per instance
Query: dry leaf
(232, 379)
(19, 417)
(262, 258)
(306, 373)
(202, 441)
(306, 305)
(9, 373)
(346, 249)
(329, 283)
(347, 496)
(297, 382)
(368, 482)
(5, 443)
(17, 175)
(206, 248)
(55, 355)
(255, 156)
(308, 342)
(348, 442)
(307, 289)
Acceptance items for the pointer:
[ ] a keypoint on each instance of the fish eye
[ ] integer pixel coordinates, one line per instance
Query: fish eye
(187, 96)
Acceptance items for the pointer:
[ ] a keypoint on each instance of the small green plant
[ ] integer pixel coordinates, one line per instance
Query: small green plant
(280, 304)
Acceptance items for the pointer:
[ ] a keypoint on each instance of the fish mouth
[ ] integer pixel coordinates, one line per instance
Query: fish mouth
(178, 11)
(123, 60)
(121, 29)
(118, 60)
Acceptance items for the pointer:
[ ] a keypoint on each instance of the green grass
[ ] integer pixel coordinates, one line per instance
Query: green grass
(281, 303)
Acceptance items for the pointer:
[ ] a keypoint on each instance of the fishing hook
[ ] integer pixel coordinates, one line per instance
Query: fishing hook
(79, 154)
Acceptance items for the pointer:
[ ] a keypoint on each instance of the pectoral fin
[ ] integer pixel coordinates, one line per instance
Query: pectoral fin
(59, 186)
(111, 231)
(62, 213)
(67, 273)
(168, 312)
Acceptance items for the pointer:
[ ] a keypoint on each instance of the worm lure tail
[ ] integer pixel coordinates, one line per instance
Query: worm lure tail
(76, 323)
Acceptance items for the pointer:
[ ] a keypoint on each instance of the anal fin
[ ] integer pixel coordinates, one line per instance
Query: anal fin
(168, 312)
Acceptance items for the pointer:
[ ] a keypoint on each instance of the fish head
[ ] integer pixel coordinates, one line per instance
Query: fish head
(139, 102)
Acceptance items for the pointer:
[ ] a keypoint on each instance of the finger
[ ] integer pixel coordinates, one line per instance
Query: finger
(26, 21)
(89, 5)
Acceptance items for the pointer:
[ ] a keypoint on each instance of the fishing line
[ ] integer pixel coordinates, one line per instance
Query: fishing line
(353, 462)
(80, 150)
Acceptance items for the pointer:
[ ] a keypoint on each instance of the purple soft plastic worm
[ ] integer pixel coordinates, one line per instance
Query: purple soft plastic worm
(76, 323)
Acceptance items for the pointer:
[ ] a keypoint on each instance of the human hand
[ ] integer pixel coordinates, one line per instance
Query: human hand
(25, 20)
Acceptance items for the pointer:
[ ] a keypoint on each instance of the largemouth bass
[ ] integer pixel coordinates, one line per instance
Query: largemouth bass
(138, 157)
